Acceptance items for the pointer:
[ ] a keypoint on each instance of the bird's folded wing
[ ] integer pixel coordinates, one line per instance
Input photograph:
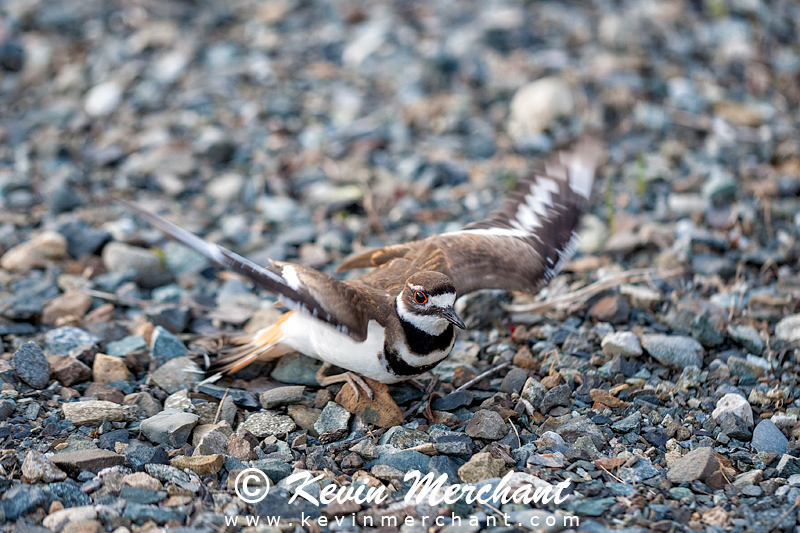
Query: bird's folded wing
(525, 242)
(304, 289)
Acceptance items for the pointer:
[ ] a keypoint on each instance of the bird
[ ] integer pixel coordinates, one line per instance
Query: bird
(397, 321)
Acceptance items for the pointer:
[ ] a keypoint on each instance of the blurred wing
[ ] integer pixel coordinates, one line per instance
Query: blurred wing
(303, 289)
(525, 242)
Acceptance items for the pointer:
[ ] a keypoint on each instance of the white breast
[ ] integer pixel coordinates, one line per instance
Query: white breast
(317, 339)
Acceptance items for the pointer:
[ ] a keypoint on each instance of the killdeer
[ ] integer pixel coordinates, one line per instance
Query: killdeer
(397, 321)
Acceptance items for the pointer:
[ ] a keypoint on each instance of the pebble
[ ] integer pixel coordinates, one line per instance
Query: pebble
(622, 343)
(177, 374)
(202, 465)
(265, 424)
(93, 412)
(333, 419)
(165, 346)
(297, 369)
(108, 368)
(103, 99)
(169, 427)
(481, 466)
(486, 424)
(281, 396)
(674, 351)
(126, 345)
(60, 341)
(536, 105)
(736, 405)
(73, 303)
(58, 520)
(698, 464)
(611, 309)
(382, 411)
(557, 396)
(93, 460)
(748, 338)
(768, 438)
(38, 468)
(38, 252)
(31, 365)
(788, 329)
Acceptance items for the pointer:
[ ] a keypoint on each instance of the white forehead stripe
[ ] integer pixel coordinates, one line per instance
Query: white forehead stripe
(443, 300)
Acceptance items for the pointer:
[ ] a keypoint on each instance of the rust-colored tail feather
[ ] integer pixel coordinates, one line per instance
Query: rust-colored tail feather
(264, 345)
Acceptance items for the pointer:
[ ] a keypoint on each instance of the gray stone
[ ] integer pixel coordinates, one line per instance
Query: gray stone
(702, 330)
(126, 345)
(265, 424)
(139, 513)
(403, 460)
(177, 374)
(179, 401)
(453, 444)
(297, 369)
(622, 343)
(452, 401)
(581, 426)
(281, 396)
(788, 466)
(514, 381)
(632, 422)
(275, 469)
(752, 365)
(557, 396)
(768, 438)
(534, 392)
(169, 427)
(698, 464)
(93, 412)
(788, 329)
(748, 338)
(38, 468)
(735, 427)
(674, 351)
(31, 365)
(164, 346)
(486, 424)
(639, 471)
(333, 418)
(60, 341)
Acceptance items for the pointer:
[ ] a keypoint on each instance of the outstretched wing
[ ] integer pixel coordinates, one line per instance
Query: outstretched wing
(525, 242)
(304, 289)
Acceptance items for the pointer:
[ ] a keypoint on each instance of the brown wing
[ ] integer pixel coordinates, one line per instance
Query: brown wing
(522, 244)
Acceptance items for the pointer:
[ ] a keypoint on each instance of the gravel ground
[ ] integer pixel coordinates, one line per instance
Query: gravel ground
(305, 131)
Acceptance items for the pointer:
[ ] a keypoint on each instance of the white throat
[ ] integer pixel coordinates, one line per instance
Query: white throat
(430, 324)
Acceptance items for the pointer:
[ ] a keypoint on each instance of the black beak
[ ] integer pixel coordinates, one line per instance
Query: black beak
(450, 315)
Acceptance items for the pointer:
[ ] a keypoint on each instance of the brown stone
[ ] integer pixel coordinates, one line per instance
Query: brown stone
(481, 466)
(142, 480)
(382, 411)
(524, 359)
(71, 303)
(93, 460)
(614, 309)
(603, 397)
(68, 370)
(242, 447)
(304, 416)
(108, 368)
(101, 391)
(83, 526)
(202, 465)
(35, 253)
(548, 382)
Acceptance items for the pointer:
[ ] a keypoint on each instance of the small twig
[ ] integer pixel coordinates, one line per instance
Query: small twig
(604, 469)
(560, 302)
(478, 378)
(792, 508)
(519, 440)
(219, 407)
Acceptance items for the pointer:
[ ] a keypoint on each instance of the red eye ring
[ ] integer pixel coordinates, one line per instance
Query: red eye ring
(420, 298)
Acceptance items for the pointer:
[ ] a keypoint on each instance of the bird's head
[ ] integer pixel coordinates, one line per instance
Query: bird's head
(427, 302)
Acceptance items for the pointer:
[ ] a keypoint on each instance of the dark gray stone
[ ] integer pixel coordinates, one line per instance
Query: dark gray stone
(31, 365)
(486, 424)
(441, 464)
(165, 346)
(557, 396)
(514, 381)
(454, 400)
(455, 444)
(768, 438)
(61, 340)
(275, 469)
(139, 513)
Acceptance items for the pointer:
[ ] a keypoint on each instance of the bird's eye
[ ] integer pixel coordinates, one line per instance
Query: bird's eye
(420, 297)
